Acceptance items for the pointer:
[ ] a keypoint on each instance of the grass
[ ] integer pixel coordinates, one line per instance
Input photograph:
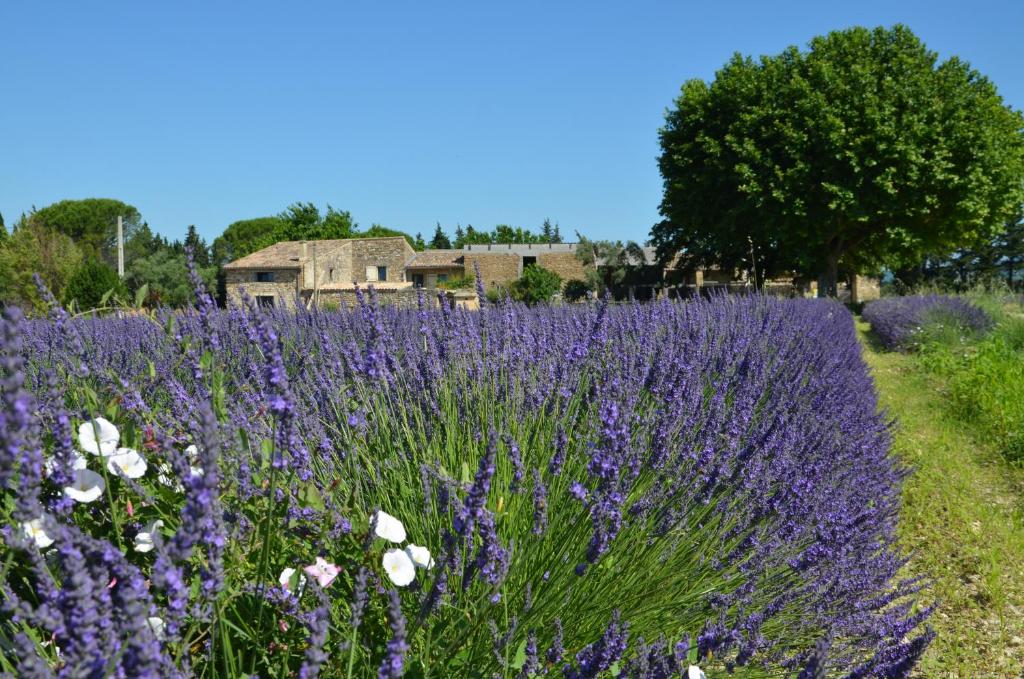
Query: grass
(963, 522)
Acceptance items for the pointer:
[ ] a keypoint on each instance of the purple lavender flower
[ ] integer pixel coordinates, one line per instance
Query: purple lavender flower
(540, 504)
(602, 654)
(393, 663)
(318, 626)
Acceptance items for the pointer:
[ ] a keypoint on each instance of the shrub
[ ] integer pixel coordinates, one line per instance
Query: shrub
(986, 383)
(92, 285)
(907, 322)
(458, 283)
(602, 491)
(576, 290)
(537, 284)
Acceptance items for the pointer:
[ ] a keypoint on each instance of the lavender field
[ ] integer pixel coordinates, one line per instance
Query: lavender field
(648, 490)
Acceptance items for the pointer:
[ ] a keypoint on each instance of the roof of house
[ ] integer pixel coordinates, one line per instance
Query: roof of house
(283, 255)
(436, 259)
(288, 254)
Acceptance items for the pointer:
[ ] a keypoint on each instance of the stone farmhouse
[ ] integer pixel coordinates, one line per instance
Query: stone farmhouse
(329, 270)
(309, 271)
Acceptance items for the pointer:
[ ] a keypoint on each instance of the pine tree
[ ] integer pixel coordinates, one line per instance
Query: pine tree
(420, 244)
(556, 237)
(200, 251)
(440, 240)
(547, 232)
(460, 235)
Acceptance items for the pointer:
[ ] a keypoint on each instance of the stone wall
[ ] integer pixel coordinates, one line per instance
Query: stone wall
(565, 264)
(390, 252)
(496, 269)
(865, 289)
(284, 289)
(332, 264)
(404, 298)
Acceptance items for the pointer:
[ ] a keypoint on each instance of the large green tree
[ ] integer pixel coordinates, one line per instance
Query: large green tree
(608, 263)
(166, 275)
(91, 223)
(35, 248)
(863, 151)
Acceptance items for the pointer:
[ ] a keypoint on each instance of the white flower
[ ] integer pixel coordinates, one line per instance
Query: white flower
(192, 453)
(50, 464)
(88, 486)
(98, 437)
(145, 540)
(420, 556)
(695, 672)
(157, 625)
(286, 579)
(388, 527)
(127, 462)
(34, 530)
(399, 567)
(165, 475)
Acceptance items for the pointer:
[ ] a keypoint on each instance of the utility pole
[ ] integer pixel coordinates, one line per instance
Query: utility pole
(120, 247)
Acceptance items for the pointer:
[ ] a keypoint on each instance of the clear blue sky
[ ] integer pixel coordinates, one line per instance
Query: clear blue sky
(403, 113)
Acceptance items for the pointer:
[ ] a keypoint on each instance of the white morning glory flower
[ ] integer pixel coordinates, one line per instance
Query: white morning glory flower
(98, 437)
(695, 672)
(157, 625)
(87, 487)
(127, 462)
(165, 475)
(50, 464)
(146, 539)
(388, 527)
(286, 579)
(192, 453)
(35, 531)
(420, 556)
(399, 567)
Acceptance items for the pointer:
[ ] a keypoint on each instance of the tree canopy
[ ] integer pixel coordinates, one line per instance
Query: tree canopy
(299, 221)
(91, 223)
(440, 240)
(34, 248)
(863, 151)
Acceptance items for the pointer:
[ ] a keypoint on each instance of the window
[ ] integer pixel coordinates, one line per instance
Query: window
(417, 280)
(376, 273)
(442, 277)
(265, 301)
(264, 276)
(529, 261)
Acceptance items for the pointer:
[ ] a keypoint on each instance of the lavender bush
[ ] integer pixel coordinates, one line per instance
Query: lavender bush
(641, 491)
(902, 322)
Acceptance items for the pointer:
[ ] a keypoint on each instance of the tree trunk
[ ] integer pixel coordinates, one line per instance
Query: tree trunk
(828, 280)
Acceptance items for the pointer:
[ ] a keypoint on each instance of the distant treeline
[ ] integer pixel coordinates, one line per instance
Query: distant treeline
(72, 245)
